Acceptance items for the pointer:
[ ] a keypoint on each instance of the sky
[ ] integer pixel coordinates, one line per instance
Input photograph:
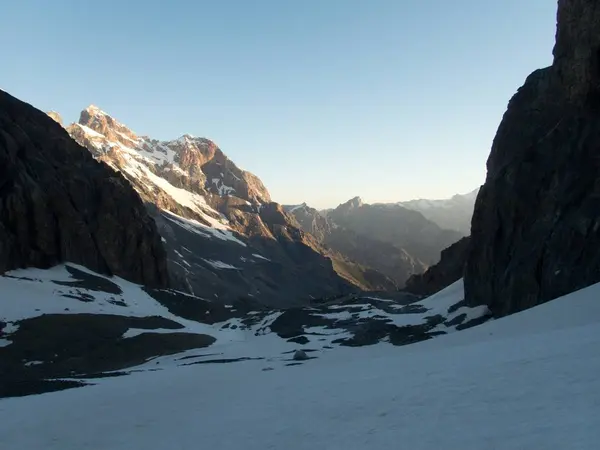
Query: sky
(324, 100)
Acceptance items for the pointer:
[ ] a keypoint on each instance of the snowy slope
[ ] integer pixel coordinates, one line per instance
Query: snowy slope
(527, 381)
(67, 327)
(74, 290)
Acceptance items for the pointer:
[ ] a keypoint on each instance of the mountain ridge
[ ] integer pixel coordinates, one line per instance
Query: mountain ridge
(190, 184)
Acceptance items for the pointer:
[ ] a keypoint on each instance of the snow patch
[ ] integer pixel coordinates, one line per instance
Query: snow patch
(91, 133)
(196, 227)
(219, 264)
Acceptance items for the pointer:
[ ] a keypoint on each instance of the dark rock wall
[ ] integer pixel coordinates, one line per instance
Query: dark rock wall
(536, 227)
(59, 204)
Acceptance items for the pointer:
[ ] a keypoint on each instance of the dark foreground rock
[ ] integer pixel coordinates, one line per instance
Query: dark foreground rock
(59, 204)
(536, 228)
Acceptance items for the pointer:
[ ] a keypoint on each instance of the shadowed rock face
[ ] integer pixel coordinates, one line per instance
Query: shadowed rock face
(536, 229)
(58, 204)
(448, 270)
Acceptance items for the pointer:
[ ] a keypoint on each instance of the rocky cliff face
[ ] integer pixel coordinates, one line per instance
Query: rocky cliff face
(536, 228)
(449, 269)
(58, 204)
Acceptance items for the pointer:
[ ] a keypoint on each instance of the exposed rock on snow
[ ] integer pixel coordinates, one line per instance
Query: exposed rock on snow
(76, 324)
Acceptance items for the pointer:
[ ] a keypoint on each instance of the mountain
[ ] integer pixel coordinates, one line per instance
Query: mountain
(225, 238)
(454, 213)
(392, 261)
(409, 230)
(400, 240)
(536, 229)
(59, 204)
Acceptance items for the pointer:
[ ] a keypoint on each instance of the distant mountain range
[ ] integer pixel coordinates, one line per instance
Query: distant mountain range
(388, 259)
(395, 240)
(453, 213)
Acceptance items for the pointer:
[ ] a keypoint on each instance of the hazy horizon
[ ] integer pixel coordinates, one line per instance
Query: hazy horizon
(390, 101)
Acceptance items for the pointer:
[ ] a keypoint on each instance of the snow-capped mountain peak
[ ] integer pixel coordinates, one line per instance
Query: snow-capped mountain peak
(213, 216)
(190, 163)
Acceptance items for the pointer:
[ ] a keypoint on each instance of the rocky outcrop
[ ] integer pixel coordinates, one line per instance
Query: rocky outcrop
(536, 229)
(58, 204)
(449, 269)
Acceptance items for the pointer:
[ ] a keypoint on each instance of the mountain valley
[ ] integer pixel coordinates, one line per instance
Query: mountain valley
(154, 295)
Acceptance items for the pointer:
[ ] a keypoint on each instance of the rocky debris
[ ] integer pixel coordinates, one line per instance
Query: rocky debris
(58, 204)
(449, 269)
(535, 229)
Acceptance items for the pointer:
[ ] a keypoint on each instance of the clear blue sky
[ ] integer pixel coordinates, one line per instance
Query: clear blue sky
(323, 99)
